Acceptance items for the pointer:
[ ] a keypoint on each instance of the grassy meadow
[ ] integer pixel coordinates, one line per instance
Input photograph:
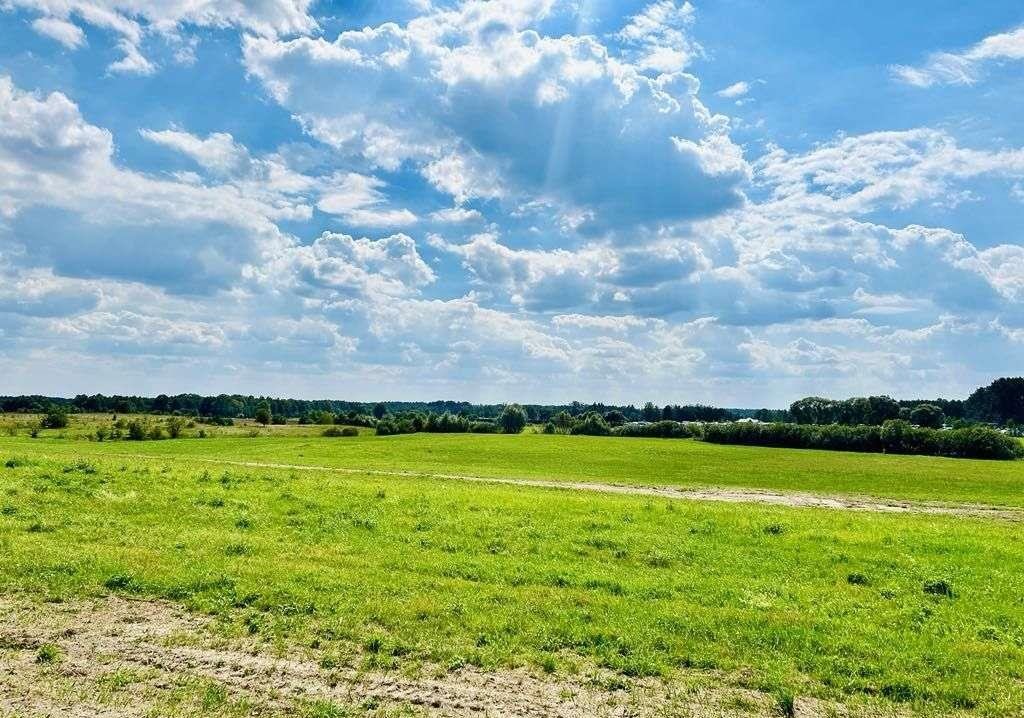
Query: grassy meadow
(917, 613)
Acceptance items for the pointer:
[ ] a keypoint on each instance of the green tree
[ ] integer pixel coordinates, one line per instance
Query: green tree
(512, 419)
(56, 418)
(650, 412)
(563, 420)
(174, 426)
(263, 415)
(999, 402)
(615, 418)
(379, 411)
(928, 416)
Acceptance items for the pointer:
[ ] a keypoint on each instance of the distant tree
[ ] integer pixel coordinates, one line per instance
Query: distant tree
(136, 430)
(928, 416)
(650, 412)
(174, 426)
(999, 402)
(771, 415)
(615, 418)
(263, 415)
(379, 411)
(667, 414)
(563, 420)
(56, 418)
(592, 424)
(882, 409)
(813, 410)
(512, 419)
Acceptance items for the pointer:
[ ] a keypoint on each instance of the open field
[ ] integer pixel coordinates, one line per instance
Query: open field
(324, 592)
(647, 462)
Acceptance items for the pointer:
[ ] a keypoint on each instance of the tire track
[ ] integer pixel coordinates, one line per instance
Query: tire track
(715, 494)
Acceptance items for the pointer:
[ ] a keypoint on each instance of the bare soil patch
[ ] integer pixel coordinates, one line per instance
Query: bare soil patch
(121, 657)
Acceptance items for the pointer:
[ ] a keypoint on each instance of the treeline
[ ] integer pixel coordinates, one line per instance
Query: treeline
(873, 411)
(1000, 403)
(895, 436)
(234, 406)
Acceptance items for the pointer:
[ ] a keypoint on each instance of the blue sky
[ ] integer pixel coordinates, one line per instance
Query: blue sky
(732, 202)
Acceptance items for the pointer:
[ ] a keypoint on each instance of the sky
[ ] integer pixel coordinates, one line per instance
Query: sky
(734, 202)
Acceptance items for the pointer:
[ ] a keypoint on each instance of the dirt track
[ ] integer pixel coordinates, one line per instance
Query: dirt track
(165, 651)
(727, 495)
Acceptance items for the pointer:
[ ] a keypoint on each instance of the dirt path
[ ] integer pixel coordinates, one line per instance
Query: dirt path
(727, 495)
(120, 657)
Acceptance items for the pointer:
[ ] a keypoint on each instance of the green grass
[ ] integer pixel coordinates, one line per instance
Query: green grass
(389, 573)
(603, 459)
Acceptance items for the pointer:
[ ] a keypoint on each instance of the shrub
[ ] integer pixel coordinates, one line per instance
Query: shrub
(335, 431)
(549, 428)
(939, 587)
(592, 424)
(390, 427)
(512, 419)
(174, 426)
(263, 414)
(895, 437)
(48, 653)
(56, 418)
(447, 423)
(484, 427)
(657, 430)
(136, 430)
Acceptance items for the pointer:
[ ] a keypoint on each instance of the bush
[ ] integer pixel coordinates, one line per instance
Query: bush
(446, 423)
(136, 430)
(336, 431)
(484, 427)
(939, 587)
(391, 427)
(56, 418)
(592, 424)
(549, 428)
(658, 430)
(894, 437)
(174, 426)
(512, 419)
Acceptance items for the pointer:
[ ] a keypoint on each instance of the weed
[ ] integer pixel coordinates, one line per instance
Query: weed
(48, 653)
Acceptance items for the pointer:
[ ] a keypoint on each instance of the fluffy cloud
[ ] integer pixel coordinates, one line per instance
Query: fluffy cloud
(133, 19)
(964, 68)
(70, 206)
(66, 33)
(884, 169)
(219, 152)
(737, 89)
(359, 200)
(659, 37)
(483, 106)
(352, 267)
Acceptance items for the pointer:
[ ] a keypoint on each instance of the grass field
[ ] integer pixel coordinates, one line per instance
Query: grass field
(675, 462)
(872, 613)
